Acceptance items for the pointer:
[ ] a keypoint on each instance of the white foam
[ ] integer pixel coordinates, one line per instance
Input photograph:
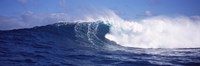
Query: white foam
(157, 32)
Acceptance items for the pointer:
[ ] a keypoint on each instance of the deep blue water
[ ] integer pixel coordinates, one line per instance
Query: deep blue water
(82, 44)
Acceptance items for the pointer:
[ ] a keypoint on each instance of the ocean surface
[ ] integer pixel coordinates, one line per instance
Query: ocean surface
(83, 44)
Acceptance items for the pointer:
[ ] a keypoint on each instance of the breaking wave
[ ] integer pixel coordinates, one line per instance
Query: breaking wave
(102, 43)
(151, 32)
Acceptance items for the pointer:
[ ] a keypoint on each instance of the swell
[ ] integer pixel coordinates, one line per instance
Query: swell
(59, 33)
(48, 45)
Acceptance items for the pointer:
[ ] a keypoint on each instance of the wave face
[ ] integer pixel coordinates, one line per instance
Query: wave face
(99, 43)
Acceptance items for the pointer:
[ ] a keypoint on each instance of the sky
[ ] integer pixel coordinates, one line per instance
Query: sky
(127, 8)
(13, 11)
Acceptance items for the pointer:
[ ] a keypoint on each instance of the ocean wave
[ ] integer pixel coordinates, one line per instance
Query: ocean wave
(151, 32)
